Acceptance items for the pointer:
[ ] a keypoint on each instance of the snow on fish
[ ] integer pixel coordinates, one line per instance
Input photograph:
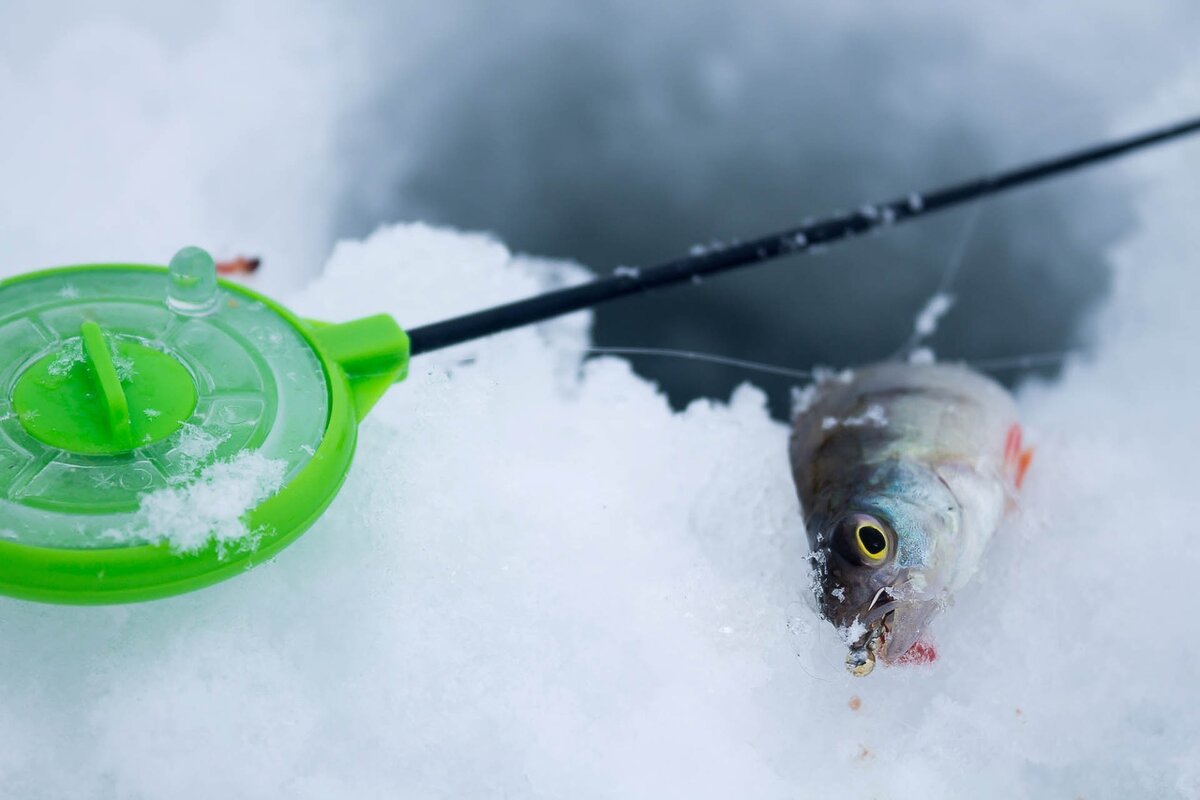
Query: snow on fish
(898, 513)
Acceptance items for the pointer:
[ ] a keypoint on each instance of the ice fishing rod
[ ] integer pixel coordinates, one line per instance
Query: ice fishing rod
(122, 385)
(807, 237)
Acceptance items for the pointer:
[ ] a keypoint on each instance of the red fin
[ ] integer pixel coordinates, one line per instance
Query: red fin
(1016, 459)
(1023, 462)
(922, 652)
(1012, 445)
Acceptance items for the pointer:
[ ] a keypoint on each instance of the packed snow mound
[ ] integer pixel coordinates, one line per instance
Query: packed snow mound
(541, 582)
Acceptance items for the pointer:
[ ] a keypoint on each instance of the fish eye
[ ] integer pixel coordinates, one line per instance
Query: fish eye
(871, 541)
(864, 539)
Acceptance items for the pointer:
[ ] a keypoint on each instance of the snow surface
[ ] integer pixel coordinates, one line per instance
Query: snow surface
(541, 582)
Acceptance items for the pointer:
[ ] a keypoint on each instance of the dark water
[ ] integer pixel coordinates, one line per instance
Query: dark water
(613, 149)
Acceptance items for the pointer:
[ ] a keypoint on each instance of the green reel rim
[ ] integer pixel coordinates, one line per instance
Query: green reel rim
(136, 573)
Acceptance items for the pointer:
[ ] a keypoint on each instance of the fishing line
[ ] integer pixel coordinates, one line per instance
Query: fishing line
(710, 358)
(960, 249)
(1030, 361)
(918, 336)
(996, 364)
(953, 266)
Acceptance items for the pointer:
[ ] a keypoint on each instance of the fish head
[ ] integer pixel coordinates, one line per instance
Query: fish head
(881, 558)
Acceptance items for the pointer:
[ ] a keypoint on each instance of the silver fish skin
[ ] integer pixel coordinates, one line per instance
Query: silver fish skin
(903, 472)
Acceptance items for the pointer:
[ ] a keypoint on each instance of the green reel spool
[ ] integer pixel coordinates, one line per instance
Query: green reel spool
(120, 381)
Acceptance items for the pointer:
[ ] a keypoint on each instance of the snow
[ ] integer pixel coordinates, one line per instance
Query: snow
(854, 632)
(209, 508)
(66, 359)
(540, 581)
(922, 355)
(123, 366)
(873, 417)
(927, 320)
(196, 444)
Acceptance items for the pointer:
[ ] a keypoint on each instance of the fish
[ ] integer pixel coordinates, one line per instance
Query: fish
(904, 473)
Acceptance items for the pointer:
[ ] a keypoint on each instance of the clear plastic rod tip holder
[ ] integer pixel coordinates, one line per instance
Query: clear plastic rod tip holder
(192, 284)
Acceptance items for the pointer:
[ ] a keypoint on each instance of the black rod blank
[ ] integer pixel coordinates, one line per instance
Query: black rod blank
(806, 237)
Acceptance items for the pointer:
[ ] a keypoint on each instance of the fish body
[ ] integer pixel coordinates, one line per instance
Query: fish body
(904, 472)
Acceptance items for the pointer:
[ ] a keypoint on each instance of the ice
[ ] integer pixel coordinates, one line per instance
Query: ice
(209, 508)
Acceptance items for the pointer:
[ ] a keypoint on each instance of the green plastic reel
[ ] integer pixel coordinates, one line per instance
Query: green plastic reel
(123, 383)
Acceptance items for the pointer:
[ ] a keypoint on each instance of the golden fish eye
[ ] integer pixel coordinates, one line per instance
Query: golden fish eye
(871, 541)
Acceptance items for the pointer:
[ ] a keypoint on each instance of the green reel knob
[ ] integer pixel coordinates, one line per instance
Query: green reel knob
(101, 395)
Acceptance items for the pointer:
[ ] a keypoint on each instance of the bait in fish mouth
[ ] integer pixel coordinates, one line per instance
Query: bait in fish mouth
(904, 472)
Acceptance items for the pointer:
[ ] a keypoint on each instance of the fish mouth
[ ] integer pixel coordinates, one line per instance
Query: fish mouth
(872, 645)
